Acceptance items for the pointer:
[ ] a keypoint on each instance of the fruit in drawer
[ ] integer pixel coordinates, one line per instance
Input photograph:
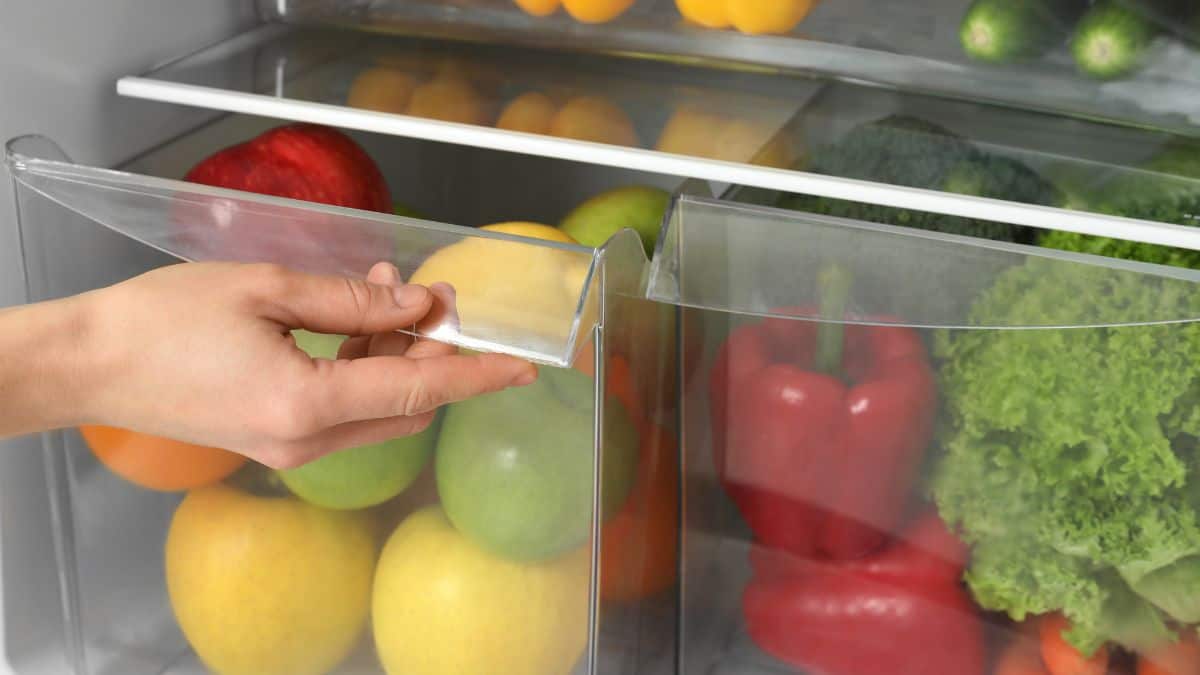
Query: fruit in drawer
(504, 286)
(754, 17)
(297, 161)
(515, 468)
(596, 11)
(697, 132)
(357, 478)
(532, 112)
(450, 98)
(268, 585)
(639, 555)
(638, 207)
(444, 606)
(382, 89)
(595, 119)
(158, 463)
(539, 7)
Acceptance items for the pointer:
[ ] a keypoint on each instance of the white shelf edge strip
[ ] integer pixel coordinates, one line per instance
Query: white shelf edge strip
(1045, 217)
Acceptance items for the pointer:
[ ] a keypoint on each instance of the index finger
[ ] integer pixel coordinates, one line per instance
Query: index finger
(389, 386)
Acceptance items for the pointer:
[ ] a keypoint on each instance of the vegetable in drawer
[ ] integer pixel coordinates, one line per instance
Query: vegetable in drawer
(912, 152)
(1070, 456)
(1002, 31)
(819, 428)
(1165, 189)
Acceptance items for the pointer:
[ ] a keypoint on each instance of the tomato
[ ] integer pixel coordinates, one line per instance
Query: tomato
(159, 463)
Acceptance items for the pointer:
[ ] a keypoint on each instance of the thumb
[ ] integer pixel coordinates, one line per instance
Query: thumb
(344, 306)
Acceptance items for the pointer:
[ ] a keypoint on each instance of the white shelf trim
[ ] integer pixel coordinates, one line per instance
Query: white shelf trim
(1045, 217)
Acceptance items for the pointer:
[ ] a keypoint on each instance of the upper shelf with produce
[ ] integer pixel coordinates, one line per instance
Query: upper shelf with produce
(788, 132)
(1129, 61)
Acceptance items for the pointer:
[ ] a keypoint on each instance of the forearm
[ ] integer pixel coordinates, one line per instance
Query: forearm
(42, 357)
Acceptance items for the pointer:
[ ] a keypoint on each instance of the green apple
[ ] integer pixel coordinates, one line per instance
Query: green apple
(638, 207)
(515, 469)
(360, 477)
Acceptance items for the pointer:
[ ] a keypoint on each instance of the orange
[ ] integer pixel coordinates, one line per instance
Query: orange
(382, 89)
(707, 13)
(689, 132)
(159, 463)
(538, 7)
(596, 11)
(757, 17)
(753, 143)
(451, 99)
(596, 119)
(531, 112)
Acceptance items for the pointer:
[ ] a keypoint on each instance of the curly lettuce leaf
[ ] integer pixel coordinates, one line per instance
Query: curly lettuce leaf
(1068, 455)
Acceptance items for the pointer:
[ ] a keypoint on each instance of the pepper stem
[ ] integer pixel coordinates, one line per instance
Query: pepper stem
(834, 283)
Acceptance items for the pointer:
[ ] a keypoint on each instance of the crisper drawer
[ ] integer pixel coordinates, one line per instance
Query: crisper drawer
(910, 452)
(529, 531)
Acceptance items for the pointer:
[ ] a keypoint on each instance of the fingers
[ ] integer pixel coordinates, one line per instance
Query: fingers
(379, 387)
(331, 304)
(344, 436)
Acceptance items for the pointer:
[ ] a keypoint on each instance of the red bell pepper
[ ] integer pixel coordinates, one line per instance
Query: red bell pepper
(901, 611)
(819, 428)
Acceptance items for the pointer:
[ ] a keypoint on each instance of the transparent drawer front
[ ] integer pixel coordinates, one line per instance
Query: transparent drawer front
(528, 531)
(917, 453)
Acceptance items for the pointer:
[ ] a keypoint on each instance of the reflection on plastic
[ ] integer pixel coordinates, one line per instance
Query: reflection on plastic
(514, 295)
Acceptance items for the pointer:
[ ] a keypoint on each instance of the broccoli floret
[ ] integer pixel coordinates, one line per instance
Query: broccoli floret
(903, 150)
(1165, 189)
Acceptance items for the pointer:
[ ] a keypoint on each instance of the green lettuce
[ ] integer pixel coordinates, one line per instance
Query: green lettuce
(1069, 456)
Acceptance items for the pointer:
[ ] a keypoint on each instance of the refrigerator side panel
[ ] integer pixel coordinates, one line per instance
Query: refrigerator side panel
(61, 60)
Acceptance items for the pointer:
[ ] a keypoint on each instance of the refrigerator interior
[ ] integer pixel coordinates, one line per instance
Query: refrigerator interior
(110, 541)
(746, 114)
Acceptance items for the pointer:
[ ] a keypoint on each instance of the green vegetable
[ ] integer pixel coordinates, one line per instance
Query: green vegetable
(1069, 456)
(1001, 31)
(1164, 189)
(1112, 39)
(903, 150)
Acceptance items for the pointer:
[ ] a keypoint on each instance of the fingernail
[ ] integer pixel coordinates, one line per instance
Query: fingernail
(525, 378)
(409, 295)
(393, 274)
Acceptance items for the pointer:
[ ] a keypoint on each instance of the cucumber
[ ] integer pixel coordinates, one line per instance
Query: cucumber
(1113, 38)
(1003, 31)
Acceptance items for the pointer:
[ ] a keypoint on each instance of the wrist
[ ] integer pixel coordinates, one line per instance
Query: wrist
(45, 363)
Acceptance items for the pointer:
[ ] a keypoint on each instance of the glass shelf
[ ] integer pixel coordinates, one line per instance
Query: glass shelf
(768, 130)
(907, 44)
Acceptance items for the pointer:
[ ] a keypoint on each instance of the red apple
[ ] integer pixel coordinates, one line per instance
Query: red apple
(298, 161)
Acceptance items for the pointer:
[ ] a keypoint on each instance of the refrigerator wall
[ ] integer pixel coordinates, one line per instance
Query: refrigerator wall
(58, 60)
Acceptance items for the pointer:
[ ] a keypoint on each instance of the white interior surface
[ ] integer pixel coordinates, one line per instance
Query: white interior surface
(58, 61)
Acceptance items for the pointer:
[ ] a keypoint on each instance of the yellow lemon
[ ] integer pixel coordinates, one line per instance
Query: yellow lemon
(449, 98)
(707, 13)
(596, 11)
(531, 112)
(757, 17)
(511, 290)
(444, 606)
(538, 7)
(268, 585)
(382, 89)
(596, 119)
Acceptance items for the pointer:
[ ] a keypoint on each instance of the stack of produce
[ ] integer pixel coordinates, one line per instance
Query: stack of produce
(482, 566)
(1165, 189)
(1107, 38)
(907, 151)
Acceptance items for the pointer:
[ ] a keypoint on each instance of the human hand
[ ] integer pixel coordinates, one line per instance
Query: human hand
(202, 353)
